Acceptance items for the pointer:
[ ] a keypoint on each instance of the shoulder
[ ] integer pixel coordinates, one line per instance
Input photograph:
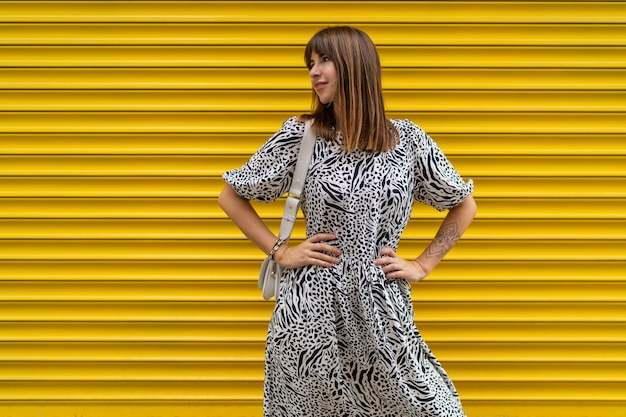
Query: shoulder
(411, 134)
(293, 125)
(406, 127)
(288, 136)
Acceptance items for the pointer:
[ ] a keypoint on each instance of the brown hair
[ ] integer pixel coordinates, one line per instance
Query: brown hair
(357, 109)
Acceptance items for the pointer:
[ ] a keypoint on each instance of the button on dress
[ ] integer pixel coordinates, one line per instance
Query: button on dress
(342, 340)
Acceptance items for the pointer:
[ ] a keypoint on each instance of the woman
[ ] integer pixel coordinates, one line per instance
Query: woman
(342, 339)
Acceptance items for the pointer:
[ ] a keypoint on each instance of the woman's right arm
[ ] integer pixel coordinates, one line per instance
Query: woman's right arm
(246, 218)
(309, 252)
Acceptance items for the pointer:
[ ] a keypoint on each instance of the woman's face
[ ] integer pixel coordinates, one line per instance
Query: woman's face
(323, 77)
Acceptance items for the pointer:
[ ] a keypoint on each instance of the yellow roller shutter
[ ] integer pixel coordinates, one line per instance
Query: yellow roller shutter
(125, 291)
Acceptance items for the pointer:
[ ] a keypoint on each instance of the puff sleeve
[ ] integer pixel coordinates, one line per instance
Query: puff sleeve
(437, 183)
(267, 174)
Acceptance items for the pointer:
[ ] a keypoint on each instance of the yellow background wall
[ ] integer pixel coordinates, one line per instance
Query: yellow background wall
(124, 290)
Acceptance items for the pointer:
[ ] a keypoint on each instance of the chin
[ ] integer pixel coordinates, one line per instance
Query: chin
(326, 101)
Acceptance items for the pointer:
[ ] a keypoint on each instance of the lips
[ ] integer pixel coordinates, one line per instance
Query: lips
(320, 84)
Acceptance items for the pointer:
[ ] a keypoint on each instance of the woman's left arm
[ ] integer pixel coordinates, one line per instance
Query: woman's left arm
(452, 228)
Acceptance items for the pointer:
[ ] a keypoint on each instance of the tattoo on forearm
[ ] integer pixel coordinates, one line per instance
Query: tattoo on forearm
(445, 239)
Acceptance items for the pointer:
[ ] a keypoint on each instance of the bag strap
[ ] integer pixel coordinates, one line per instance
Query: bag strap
(297, 183)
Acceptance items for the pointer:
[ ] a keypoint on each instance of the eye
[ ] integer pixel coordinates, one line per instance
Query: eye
(325, 58)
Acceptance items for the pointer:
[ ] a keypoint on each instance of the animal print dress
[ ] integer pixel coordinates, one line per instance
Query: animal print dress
(342, 340)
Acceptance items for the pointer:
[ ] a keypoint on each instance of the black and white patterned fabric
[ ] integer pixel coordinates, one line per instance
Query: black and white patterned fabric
(342, 341)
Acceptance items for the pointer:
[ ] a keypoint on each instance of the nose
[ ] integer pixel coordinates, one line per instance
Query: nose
(314, 71)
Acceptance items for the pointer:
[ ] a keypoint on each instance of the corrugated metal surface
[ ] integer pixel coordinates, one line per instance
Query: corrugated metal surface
(125, 291)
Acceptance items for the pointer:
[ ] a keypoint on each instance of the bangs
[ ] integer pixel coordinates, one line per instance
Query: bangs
(320, 44)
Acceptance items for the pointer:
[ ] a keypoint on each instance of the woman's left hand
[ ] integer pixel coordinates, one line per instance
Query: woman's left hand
(396, 267)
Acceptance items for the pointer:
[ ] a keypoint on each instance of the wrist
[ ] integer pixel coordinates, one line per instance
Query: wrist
(423, 266)
(276, 247)
(278, 254)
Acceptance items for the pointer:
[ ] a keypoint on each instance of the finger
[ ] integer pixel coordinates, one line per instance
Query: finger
(394, 270)
(320, 237)
(323, 260)
(386, 251)
(394, 275)
(387, 265)
(390, 267)
(383, 260)
(325, 247)
(329, 261)
(389, 274)
(328, 254)
(319, 242)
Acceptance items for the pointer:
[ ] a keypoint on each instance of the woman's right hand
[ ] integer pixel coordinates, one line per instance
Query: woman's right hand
(314, 251)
